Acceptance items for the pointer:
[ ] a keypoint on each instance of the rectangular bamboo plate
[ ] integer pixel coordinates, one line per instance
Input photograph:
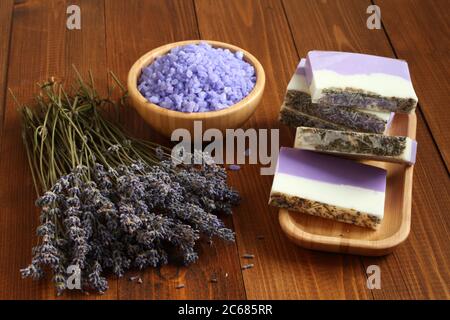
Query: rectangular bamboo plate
(327, 235)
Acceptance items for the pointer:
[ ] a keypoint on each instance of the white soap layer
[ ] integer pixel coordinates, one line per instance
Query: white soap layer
(382, 84)
(298, 83)
(343, 196)
(408, 155)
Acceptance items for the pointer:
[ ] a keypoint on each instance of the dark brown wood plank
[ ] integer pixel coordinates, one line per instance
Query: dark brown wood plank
(423, 259)
(282, 270)
(41, 47)
(422, 37)
(133, 28)
(422, 262)
(6, 10)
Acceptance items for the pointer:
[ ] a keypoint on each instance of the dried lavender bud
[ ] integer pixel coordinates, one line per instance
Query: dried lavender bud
(32, 271)
(247, 266)
(60, 282)
(48, 199)
(96, 281)
(248, 256)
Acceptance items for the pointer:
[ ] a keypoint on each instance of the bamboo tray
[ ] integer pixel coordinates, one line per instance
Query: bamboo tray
(327, 235)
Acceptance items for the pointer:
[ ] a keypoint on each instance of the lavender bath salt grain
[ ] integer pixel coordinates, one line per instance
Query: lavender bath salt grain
(197, 78)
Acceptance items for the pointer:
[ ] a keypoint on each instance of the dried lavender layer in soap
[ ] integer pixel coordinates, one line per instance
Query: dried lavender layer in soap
(352, 97)
(345, 116)
(361, 145)
(294, 118)
(323, 210)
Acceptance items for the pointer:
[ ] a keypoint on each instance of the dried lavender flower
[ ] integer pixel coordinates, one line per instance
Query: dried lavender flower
(111, 202)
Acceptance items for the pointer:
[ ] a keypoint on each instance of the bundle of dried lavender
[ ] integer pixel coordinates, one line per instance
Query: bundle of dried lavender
(112, 202)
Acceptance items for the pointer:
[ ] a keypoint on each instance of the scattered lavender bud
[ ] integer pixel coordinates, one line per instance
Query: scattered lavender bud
(248, 256)
(234, 167)
(248, 152)
(259, 237)
(180, 286)
(248, 266)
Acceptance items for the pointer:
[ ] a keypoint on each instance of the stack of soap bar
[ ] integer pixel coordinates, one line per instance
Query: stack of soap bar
(357, 144)
(354, 79)
(298, 101)
(329, 187)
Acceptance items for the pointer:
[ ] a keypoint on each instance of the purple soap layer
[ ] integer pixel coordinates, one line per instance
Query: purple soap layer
(330, 169)
(301, 67)
(347, 63)
(413, 152)
(308, 72)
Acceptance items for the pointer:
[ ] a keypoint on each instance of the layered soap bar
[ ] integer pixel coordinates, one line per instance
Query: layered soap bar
(357, 145)
(298, 98)
(354, 79)
(329, 187)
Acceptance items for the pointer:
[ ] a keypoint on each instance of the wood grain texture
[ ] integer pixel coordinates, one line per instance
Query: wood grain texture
(282, 270)
(421, 36)
(41, 47)
(278, 32)
(341, 25)
(134, 28)
(6, 10)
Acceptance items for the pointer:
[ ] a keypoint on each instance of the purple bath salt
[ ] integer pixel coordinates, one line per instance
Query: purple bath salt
(197, 78)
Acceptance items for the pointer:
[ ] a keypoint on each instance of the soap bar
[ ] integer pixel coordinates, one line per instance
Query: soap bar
(329, 187)
(354, 79)
(363, 120)
(357, 145)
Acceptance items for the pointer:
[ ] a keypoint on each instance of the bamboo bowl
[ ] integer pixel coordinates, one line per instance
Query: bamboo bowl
(165, 121)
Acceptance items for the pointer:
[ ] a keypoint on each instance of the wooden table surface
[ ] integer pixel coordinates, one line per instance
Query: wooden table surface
(36, 44)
